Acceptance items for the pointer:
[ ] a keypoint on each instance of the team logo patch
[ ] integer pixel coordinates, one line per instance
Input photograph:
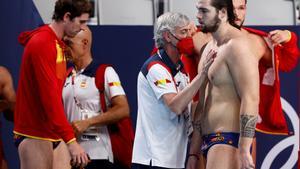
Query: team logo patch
(111, 84)
(162, 82)
(83, 84)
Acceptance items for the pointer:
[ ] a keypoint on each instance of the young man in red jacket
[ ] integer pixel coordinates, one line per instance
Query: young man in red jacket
(284, 58)
(40, 122)
(277, 50)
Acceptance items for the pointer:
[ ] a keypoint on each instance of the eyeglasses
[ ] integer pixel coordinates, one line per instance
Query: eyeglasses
(174, 36)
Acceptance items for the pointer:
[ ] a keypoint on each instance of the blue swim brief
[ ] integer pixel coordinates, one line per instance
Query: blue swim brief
(210, 140)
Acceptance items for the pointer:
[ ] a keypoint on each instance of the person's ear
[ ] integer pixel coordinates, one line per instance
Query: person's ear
(67, 17)
(166, 36)
(223, 13)
(85, 43)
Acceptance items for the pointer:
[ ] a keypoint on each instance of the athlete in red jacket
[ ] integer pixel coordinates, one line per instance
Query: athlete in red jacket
(277, 50)
(284, 57)
(40, 122)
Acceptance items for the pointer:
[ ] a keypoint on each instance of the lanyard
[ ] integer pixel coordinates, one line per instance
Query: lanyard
(78, 104)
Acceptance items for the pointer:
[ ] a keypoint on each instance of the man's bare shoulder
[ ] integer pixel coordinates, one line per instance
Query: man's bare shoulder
(240, 48)
(200, 40)
(4, 75)
(4, 71)
(257, 44)
(239, 43)
(257, 39)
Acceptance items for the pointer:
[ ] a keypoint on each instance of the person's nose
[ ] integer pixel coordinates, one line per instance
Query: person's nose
(199, 17)
(83, 25)
(236, 13)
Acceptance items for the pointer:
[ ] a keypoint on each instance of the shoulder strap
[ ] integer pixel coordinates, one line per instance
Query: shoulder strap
(99, 80)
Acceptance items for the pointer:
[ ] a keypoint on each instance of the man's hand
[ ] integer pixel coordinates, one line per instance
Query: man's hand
(208, 61)
(78, 156)
(279, 36)
(246, 160)
(79, 126)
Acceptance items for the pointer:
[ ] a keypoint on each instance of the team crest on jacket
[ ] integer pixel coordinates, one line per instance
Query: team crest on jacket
(83, 84)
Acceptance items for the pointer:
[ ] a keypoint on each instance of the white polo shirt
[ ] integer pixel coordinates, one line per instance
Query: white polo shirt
(161, 135)
(83, 89)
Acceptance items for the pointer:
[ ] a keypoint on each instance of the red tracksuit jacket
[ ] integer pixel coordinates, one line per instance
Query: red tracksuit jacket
(39, 111)
(285, 58)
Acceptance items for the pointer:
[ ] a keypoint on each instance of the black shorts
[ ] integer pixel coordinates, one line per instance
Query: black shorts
(19, 138)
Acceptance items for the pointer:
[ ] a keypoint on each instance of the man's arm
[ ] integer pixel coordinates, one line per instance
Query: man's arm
(177, 102)
(196, 140)
(118, 111)
(45, 70)
(46, 77)
(243, 66)
(8, 95)
(286, 47)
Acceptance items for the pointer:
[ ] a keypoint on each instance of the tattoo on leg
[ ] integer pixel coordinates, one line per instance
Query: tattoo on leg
(248, 123)
(197, 126)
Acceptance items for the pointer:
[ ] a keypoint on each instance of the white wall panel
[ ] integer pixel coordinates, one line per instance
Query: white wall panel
(45, 8)
(140, 12)
(187, 7)
(126, 12)
(270, 12)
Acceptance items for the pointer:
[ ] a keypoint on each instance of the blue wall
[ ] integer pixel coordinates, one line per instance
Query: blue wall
(126, 47)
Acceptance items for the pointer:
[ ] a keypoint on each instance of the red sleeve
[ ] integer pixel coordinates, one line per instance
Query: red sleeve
(49, 86)
(288, 54)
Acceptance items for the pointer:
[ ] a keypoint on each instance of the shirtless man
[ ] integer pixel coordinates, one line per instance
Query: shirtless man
(7, 103)
(226, 115)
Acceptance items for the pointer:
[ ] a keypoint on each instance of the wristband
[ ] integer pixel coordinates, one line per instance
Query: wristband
(290, 37)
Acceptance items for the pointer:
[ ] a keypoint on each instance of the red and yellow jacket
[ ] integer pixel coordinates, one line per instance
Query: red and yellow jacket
(285, 58)
(39, 111)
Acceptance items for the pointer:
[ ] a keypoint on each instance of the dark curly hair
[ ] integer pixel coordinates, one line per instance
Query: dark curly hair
(219, 4)
(75, 7)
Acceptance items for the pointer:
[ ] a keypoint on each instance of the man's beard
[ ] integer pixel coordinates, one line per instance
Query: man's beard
(212, 27)
(240, 25)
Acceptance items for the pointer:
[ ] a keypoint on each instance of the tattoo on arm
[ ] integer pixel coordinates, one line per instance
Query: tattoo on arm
(248, 123)
(197, 126)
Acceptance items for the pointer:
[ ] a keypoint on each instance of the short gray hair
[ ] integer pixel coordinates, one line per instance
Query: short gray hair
(168, 22)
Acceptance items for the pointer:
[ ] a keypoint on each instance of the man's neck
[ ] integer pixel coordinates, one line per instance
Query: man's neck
(172, 52)
(83, 63)
(222, 35)
(57, 28)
